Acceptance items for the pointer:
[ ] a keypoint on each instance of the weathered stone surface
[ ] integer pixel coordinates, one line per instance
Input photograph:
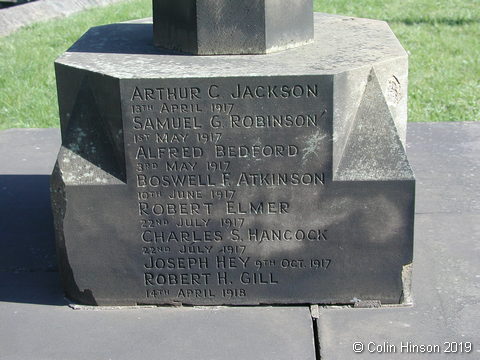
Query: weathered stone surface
(211, 27)
(234, 180)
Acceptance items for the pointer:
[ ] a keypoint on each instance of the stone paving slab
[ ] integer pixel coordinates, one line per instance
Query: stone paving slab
(446, 290)
(14, 18)
(28, 151)
(446, 272)
(35, 330)
(446, 159)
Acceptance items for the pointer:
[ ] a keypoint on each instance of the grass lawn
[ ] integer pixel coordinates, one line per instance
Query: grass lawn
(442, 37)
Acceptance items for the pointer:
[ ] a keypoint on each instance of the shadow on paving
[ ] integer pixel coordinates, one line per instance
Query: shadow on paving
(28, 267)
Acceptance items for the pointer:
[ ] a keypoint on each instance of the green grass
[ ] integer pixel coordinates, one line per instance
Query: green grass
(441, 37)
(28, 95)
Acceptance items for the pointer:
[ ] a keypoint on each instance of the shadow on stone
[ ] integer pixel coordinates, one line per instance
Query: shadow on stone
(134, 38)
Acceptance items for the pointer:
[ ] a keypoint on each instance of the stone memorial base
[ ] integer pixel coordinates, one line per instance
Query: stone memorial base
(38, 323)
(235, 179)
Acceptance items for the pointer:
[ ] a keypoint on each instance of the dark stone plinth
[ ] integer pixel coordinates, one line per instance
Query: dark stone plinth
(276, 179)
(211, 27)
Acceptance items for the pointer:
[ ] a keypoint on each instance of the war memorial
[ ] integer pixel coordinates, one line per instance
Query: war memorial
(231, 181)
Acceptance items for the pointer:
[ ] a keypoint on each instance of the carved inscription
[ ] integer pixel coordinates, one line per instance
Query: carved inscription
(227, 175)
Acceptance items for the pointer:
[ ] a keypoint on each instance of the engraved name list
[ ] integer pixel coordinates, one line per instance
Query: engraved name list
(226, 176)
